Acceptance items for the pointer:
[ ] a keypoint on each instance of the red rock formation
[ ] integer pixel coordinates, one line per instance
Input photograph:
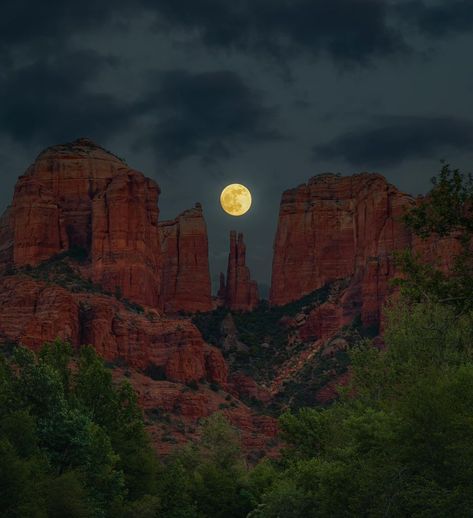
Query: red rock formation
(32, 312)
(38, 231)
(241, 293)
(322, 322)
(340, 227)
(244, 386)
(79, 195)
(187, 408)
(222, 288)
(185, 262)
(125, 248)
(6, 240)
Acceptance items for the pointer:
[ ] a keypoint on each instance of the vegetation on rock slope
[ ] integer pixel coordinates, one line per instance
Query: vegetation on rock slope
(270, 340)
(64, 270)
(262, 331)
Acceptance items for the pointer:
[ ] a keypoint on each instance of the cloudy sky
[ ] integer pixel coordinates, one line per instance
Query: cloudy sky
(200, 93)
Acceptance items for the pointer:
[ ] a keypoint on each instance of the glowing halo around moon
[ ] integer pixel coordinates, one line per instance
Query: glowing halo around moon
(235, 199)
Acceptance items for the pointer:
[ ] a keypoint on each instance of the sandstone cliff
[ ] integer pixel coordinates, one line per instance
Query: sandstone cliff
(339, 227)
(79, 195)
(348, 228)
(185, 283)
(34, 311)
(240, 293)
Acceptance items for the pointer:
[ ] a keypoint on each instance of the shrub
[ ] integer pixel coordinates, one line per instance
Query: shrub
(192, 384)
(214, 386)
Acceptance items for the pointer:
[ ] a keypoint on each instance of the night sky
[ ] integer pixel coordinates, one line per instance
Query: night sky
(201, 93)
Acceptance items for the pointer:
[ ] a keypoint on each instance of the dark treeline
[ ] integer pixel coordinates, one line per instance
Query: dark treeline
(398, 443)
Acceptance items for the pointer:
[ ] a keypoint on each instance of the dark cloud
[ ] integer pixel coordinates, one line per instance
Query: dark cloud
(51, 100)
(438, 19)
(205, 114)
(396, 139)
(346, 30)
(36, 25)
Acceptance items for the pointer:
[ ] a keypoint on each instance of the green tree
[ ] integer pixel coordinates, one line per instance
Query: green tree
(72, 442)
(447, 212)
(208, 479)
(404, 445)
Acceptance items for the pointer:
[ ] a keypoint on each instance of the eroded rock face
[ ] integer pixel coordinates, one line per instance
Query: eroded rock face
(322, 322)
(38, 230)
(80, 195)
(340, 227)
(159, 355)
(240, 293)
(175, 413)
(185, 282)
(33, 312)
(125, 249)
(6, 240)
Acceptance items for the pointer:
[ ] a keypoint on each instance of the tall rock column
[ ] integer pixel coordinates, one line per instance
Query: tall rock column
(241, 293)
(36, 222)
(125, 238)
(185, 262)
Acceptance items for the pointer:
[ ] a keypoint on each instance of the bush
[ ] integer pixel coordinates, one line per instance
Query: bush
(192, 384)
(155, 372)
(214, 386)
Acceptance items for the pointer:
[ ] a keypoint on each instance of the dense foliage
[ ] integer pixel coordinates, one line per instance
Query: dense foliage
(262, 325)
(404, 445)
(72, 443)
(447, 212)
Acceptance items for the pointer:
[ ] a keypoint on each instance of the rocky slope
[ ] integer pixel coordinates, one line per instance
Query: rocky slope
(180, 378)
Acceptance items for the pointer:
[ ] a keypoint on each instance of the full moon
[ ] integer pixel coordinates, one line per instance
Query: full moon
(235, 199)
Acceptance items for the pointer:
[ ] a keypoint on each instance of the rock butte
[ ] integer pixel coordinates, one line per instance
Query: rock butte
(338, 227)
(79, 195)
(185, 279)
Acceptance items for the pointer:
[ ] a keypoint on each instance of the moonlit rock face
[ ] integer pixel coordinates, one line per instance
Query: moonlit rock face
(235, 199)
